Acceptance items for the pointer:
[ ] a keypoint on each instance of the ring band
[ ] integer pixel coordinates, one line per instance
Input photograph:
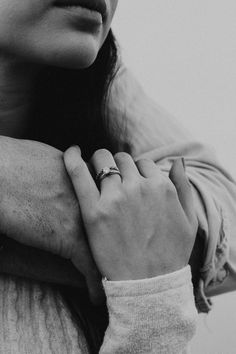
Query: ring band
(106, 172)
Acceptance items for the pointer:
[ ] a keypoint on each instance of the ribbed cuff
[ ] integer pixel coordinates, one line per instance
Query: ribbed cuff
(148, 286)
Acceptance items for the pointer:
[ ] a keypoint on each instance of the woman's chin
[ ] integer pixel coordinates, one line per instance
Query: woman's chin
(74, 54)
(73, 62)
(68, 53)
(65, 49)
(78, 62)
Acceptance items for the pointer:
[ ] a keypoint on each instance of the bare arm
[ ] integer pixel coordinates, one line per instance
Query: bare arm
(28, 262)
(40, 213)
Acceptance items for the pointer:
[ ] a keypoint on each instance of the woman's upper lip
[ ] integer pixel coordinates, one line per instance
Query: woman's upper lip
(95, 5)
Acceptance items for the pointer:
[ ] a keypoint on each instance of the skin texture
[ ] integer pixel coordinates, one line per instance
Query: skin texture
(130, 237)
(38, 204)
(36, 31)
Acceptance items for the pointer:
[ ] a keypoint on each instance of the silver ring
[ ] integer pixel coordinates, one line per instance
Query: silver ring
(106, 172)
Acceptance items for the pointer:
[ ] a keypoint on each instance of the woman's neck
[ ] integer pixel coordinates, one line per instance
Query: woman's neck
(16, 81)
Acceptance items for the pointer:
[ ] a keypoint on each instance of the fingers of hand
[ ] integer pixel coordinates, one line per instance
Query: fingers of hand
(180, 180)
(103, 158)
(148, 168)
(84, 185)
(126, 166)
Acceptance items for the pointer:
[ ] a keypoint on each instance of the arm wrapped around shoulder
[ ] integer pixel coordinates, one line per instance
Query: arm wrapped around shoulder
(155, 315)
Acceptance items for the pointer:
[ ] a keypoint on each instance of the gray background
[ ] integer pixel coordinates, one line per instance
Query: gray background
(184, 53)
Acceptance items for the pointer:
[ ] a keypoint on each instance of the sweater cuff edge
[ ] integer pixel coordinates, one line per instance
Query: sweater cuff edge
(154, 285)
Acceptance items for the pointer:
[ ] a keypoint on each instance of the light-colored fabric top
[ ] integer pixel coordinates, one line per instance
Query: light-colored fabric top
(148, 316)
(142, 128)
(34, 319)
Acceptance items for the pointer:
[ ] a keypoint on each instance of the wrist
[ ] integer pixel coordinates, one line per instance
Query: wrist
(141, 286)
(139, 273)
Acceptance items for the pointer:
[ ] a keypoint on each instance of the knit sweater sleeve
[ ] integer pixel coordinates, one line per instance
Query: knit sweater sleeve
(154, 315)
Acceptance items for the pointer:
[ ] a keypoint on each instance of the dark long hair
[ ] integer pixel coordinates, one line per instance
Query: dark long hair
(69, 106)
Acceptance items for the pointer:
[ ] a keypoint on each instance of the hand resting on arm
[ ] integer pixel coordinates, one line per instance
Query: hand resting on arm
(147, 217)
(141, 229)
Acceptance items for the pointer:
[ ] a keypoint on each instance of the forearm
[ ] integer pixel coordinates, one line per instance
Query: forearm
(39, 213)
(20, 260)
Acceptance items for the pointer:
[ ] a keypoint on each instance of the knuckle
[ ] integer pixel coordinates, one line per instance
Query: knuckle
(154, 184)
(149, 190)
(137, 188)
(74, 170)
(109, 207)
(143, 160)
(162, 186)
(133, 184)
(103, 213)
(93, 217)
(151, 183)
(95, 214)
(118, 198)
(115, 200)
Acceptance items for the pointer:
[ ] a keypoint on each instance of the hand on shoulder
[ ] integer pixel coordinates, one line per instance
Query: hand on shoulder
(138, 226)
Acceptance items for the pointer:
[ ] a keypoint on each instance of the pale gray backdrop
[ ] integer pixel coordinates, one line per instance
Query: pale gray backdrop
(184, 53)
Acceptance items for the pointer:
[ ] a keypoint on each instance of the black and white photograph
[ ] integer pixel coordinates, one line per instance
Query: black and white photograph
(117, 177)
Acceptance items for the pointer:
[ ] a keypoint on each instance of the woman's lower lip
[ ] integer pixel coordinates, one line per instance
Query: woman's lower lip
(86, 18)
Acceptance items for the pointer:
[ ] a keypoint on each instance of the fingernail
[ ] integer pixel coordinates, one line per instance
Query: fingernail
(77, 147)
(183, 162)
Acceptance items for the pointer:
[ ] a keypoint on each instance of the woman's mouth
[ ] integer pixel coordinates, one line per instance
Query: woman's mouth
(98, 6)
